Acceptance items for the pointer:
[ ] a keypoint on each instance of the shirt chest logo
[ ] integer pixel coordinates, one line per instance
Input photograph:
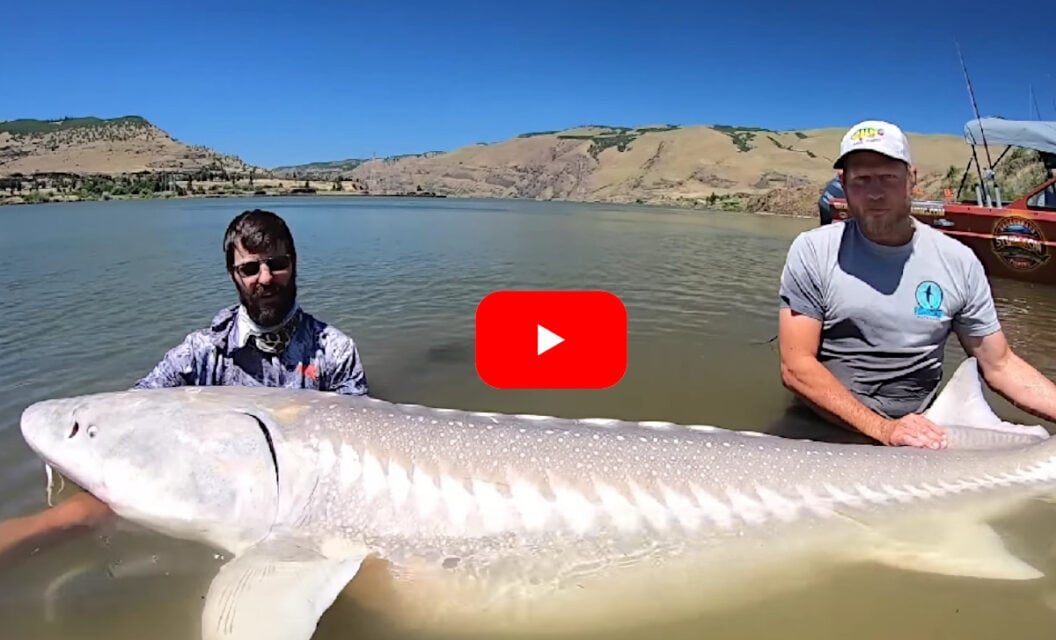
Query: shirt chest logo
(311, 371)
(929, 300)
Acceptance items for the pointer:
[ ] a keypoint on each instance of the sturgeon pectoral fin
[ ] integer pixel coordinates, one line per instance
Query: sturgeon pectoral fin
(963, 410)
(275, 590)
(962, 548)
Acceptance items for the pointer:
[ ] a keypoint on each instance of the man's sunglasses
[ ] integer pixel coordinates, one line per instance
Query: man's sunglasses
(252, 268)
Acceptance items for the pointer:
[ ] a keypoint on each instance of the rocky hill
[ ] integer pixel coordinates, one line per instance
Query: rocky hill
(115, 146)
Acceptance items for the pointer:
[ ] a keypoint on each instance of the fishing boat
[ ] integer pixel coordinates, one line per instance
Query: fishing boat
(1013, 240)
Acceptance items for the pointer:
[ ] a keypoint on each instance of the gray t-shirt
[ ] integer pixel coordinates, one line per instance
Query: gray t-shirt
(887, 311)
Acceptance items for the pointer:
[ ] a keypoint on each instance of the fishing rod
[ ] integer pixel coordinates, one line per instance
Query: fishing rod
(1034, 100)
(964, 178)
(1054, 99)
(975, 109)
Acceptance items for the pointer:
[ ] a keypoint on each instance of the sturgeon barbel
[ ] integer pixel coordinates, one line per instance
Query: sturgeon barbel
(489, 522)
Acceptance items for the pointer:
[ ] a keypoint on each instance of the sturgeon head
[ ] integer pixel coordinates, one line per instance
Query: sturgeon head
(172, 460)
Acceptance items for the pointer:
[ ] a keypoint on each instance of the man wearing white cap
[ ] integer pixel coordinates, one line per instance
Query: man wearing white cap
(867, 306)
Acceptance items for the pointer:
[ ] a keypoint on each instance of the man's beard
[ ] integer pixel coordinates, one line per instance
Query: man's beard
(882, 226)
(887, 225)
(268, 312)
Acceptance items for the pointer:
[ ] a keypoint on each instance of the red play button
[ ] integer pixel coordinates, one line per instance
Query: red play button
(551, 339)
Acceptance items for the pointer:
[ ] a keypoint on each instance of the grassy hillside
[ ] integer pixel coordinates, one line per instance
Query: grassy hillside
(114, 146)
(728, 166)
(29, 127)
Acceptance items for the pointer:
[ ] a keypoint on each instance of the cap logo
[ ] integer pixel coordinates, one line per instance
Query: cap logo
(867, 132)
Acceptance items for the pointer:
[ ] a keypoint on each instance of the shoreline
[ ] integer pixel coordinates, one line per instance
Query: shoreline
(15, 201)
(680, 204)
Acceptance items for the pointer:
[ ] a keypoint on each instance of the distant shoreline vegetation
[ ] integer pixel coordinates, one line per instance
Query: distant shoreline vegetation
(104, 189)
(63, 188)
(67, 187)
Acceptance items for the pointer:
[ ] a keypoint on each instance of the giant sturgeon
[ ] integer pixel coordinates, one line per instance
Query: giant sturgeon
(495, 522)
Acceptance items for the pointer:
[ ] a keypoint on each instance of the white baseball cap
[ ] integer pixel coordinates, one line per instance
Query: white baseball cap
(874, 135)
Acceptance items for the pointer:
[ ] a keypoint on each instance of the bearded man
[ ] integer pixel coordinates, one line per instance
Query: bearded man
(267, 339)
(866, 306)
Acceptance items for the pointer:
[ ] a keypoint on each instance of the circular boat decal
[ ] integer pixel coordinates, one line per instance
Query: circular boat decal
(1019, 244)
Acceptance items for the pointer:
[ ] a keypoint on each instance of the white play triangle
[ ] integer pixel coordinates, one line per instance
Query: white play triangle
(545, 340)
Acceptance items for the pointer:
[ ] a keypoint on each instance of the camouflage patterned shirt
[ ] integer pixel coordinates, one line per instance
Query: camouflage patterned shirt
(318, 356)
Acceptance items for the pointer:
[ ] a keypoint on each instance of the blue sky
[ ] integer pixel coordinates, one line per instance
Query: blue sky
(279, 83)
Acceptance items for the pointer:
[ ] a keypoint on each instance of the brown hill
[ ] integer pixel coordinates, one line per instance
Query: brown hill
(96, 146)
(723, 167)
(716, 166)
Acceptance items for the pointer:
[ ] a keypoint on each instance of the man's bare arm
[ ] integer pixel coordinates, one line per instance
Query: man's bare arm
(79, 512)
(1011, 376)
(804, 375)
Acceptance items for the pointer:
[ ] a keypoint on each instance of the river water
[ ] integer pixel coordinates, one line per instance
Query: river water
(94, 293)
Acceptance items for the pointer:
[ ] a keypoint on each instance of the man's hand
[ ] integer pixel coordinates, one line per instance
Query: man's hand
(914, 430)
(81, 510)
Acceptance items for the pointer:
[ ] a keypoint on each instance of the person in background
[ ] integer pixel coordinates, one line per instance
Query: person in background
(832, 190)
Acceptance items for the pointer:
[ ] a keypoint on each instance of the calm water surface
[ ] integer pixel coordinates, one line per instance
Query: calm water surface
(94, 293)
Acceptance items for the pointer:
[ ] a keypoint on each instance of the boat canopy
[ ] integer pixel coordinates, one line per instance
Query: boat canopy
(1039, 135)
